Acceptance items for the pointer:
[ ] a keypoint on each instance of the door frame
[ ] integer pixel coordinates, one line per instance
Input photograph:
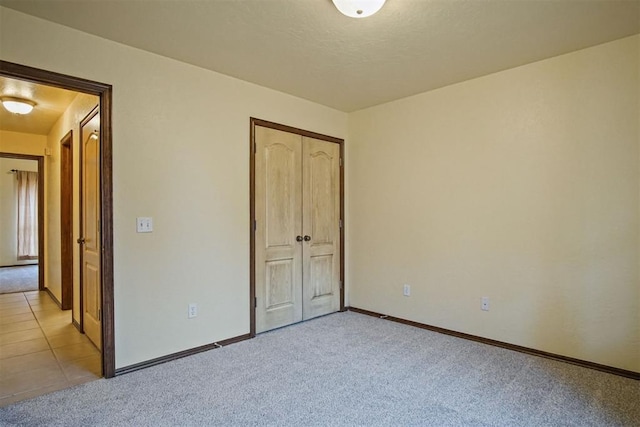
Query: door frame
(66, 221)
(252, 208)
(40, 160)
(104, 93)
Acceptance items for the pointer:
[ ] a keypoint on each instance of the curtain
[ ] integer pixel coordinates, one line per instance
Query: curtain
(27, 215)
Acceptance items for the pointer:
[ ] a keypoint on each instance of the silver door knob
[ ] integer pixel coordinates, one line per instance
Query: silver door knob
(81, 241)
(307, 238)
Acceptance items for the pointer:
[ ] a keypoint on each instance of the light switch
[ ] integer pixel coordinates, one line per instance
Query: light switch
(144, 224)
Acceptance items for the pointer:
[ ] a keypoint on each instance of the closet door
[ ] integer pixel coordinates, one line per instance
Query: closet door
(321, 227)
(278, 253)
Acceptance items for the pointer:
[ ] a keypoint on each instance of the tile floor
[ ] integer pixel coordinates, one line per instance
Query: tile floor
(40, 350)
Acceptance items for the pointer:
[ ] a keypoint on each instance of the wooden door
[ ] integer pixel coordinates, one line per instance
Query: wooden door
(297, 229)
(321, 227)
(90, 249)
(278, 227)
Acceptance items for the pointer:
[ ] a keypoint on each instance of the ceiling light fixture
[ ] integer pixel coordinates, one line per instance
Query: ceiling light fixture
(358, 8)
(17, 105)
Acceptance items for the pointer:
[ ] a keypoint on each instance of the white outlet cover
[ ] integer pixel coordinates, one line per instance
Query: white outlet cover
(485, 304)
(192, 311)
(406, 290)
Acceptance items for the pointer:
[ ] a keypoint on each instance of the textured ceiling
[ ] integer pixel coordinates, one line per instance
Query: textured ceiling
(308, 49)
(51, 103)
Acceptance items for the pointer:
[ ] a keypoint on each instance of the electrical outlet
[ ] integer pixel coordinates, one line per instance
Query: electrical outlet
(406, 290)
(485, 303)
(193, 311)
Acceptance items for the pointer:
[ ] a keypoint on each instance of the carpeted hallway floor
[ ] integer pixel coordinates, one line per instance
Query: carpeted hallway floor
(22, 278)
(346, 369)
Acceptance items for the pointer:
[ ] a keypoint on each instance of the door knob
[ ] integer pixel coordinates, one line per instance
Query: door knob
(307, 238)
(298, 238)
(81, 241)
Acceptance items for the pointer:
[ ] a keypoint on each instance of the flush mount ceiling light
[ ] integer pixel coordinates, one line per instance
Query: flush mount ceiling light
(358, 8)
(17, 105)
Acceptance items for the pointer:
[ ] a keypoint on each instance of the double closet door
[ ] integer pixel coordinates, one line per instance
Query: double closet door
(297, 228)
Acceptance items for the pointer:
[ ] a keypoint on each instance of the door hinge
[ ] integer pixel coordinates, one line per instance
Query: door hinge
(341, 285)
(100, 315)
(255, 302)
(340, 223)
(340, 161)
(255, 225)
(255, 150)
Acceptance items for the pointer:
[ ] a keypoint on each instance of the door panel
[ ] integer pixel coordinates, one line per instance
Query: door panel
(90, 229)
(321, 283)
(278, 258)
(279, 282)
(321, 222)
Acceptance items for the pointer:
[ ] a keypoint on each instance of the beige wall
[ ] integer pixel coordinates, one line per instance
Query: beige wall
(70, 120)
(522, 186)
(22, 143)
(9, 209)
(181, 156)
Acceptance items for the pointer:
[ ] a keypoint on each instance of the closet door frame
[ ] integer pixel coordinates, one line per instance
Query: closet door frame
(252, 216)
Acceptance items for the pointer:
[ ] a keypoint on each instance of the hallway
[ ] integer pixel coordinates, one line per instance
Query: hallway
(40, 350)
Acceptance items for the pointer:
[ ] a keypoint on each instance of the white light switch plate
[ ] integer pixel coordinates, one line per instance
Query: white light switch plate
(144, 224)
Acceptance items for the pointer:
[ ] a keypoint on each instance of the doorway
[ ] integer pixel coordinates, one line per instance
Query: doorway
(21, 268)
(297, 228)
(103, 188)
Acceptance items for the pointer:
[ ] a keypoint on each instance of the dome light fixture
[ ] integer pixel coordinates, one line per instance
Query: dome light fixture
(358, 8)
(17, 105)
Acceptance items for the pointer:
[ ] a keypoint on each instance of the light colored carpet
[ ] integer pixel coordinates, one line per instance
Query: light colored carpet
(345, 369)
(18, 279)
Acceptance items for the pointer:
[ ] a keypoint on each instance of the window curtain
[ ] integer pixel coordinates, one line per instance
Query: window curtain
(27, 215)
